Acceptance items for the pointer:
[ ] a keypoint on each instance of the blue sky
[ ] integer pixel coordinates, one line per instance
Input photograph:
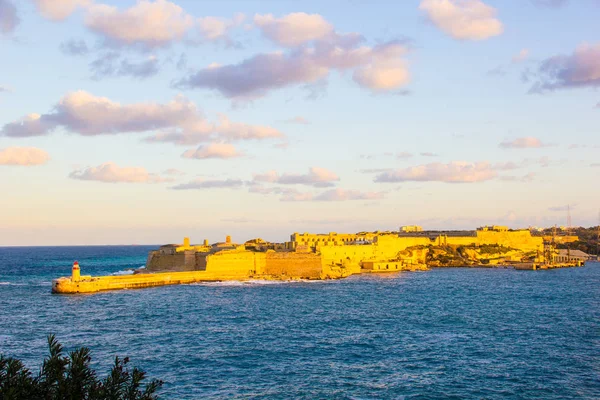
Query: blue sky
(159, 119)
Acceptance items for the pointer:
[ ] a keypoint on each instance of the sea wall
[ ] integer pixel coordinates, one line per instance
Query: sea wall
(290, 264)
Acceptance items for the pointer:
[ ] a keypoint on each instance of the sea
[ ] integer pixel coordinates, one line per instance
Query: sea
(456, 333)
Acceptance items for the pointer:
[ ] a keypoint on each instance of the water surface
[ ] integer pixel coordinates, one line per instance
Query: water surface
(444, 333)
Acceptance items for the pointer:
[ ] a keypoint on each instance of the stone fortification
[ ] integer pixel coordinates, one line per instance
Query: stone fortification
(324, 256)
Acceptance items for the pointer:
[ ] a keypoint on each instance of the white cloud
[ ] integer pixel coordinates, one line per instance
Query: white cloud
(111, 173)
(213, 150)
(293, 29)
(522, 143)
(59, 10)
(453, 172)
(463, 19)
(318, 177)
(8, 17)
(23, 156)
(148, 23)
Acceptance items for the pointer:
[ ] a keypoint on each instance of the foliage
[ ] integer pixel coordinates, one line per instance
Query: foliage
(71, 377)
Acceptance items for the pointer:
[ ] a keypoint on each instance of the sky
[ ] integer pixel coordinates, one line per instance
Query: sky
(141, 122)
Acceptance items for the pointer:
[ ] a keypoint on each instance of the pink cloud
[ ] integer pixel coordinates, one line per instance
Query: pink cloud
(178, 121)
(23, 156)
(59, 10)
(293, 29)
(318, 177)
(111, 173)
(378, 68)
(454, 172)
(8, 17)
(580, 69)
(200, 184)
(213, 150)
(464, 19)
(147, 23)
(523, 143)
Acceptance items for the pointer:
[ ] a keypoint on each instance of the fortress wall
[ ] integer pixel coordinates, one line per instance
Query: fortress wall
(389, 246)
(166, 262)
(231, 263)
(521, 240)
(340, 254)
(297, 265)
(458, 240)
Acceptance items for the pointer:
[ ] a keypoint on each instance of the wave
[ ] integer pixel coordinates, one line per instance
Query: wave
(253, 282)
(12, 284)
(124, 272)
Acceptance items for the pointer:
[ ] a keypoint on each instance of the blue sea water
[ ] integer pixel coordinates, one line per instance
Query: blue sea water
(444, 333)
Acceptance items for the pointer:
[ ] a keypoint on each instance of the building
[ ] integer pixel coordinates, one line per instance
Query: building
(411, 228)
(565, 255)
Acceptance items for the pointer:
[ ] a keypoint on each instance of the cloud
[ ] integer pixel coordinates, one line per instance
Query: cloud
(30, 125)
(497, 71)
(464, 19)
(404, 155)
(215, 28)
(8, 17)
(74, 47)
(550, 3)
(429, 154)
(317, 177)
(212, 184)
(525, 178)
(173, 172)
(521, 56)
(562, 208)
(111, 173)
(293, 29)
(179, 121)
(109, 64)
(454, 172)
(595, 165)
(580, 69)
(298, 120)
(201, 130)
(58, 10)
(238, 131)
(148, 24)
(523, 143)
(379, 68)
(23, 156)
(343, 195)
(213, 150)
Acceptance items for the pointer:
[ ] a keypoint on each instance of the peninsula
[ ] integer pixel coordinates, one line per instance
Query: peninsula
(333, 256)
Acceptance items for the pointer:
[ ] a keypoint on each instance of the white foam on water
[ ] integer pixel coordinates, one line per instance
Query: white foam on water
(253, 282)
(12, 284)
(124, 272)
